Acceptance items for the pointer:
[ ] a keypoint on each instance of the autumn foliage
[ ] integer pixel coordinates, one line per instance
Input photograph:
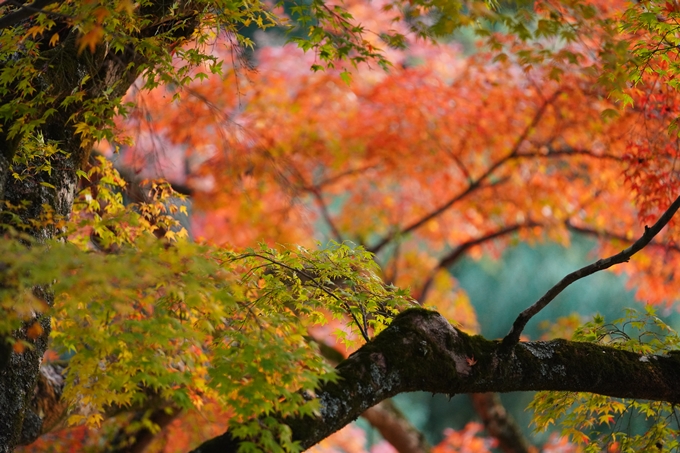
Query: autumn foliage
(446, 154)
(455, 150)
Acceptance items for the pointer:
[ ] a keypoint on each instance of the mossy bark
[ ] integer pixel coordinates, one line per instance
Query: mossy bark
(421, 351)
(109, 74)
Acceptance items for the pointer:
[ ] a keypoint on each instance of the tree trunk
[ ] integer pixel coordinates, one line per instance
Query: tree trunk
(110, 74)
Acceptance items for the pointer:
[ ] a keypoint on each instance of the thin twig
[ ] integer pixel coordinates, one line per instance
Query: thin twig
(317, 284)
(512, 338)
(569, 151)
(604, 234)
(325, 213)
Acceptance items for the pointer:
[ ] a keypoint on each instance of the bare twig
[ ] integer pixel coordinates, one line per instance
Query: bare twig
(570, 151)
(323, 208)
(512, 338)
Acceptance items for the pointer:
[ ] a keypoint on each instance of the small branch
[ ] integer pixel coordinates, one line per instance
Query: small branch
(125, 441)
(134, 189)
(315, 190)
(395, 428)
(453, 256)
(438, 211)
(311, 278)
(616, 237)
(499, 424)
(26, 11)
(569, 151)
(512, 338)
(473, 185)
(339, 176)
(394, 271)
(325, 214)
(461, 166)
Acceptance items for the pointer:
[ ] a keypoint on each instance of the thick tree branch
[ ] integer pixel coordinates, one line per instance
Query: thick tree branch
(385, 416)
(518, 326)
(421, 351)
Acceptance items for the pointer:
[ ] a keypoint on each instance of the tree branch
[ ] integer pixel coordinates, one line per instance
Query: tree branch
(385, 416)
(455, 254)
(421, 351)
(24, 12)
(499, 424)
(473, 184)
(395, 428)
(518, 326)
(323, 208)
(570, 151)
(136, 441)
(609, 235)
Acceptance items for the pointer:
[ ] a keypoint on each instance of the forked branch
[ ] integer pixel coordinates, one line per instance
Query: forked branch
(512, 338)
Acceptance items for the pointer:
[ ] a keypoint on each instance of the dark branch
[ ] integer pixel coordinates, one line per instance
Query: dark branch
(137, 441)
(24, 12)
(421, 351)
(499, 424)
(609, 235)
(569, 151)
(395, 428)
(453, 256)
(385, 416)
(518, 326)
(474, 184)
(326, 214)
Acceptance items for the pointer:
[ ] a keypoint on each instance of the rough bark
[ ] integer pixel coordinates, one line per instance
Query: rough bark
(385, 416)
(421, 351)
(18, 376)
(20, 422)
